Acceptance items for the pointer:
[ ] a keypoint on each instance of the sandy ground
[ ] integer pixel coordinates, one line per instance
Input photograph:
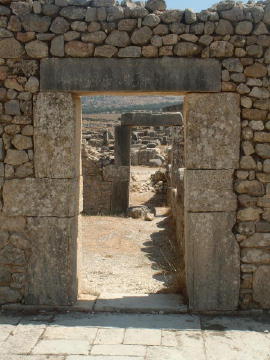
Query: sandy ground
(124, 255)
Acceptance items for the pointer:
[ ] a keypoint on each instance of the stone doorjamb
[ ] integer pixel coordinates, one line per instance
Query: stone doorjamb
(212, 134)
(211, 137)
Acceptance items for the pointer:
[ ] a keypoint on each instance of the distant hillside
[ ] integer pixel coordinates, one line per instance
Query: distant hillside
(119, 104)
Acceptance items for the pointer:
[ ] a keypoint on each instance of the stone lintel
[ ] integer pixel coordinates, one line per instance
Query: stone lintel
(152, 119)
(142, 75)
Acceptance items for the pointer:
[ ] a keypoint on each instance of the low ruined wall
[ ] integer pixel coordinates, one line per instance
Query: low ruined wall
(97, 189)
(235, 35)
(100, 176)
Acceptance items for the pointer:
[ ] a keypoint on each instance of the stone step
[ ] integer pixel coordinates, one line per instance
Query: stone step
(140, 303)
(124, 303)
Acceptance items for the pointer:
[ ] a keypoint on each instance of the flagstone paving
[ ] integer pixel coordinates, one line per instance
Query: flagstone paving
(112, 336)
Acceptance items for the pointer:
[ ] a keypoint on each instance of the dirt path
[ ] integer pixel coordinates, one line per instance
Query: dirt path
(122, 255)
(141, 190)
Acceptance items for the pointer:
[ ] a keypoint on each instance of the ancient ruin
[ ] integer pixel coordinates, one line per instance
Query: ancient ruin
(54, 51)
(105, 171)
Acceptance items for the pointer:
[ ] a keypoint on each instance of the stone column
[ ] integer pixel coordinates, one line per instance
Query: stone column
(212, 143)
(120, 191)
(50, 201)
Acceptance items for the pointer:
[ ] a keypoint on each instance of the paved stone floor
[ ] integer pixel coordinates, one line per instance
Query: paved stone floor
(108, 336)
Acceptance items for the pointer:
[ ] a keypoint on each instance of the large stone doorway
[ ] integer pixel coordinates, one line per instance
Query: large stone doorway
(205, 195)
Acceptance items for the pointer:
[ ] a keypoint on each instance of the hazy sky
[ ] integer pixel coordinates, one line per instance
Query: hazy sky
(196, 5)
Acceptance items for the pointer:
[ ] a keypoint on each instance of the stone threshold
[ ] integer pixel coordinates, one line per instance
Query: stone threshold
(120, 303)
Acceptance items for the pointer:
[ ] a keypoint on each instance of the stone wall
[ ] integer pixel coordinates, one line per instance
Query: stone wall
(97, 190)
(236, 35)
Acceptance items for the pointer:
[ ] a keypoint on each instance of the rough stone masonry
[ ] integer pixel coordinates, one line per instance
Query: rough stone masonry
(35, 206)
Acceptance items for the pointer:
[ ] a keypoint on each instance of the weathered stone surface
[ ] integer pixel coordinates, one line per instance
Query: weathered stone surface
(233, 65)
(136, 12)
(260, 93)
(16, 223)
(59, 25)
(261, 291)
(24, 170)
(96, 37)
(244, 28)
(36, 23)
(150, 51)
(32, 84)
(37, 49)
(118, 38)
(150, 20)
(40, 197)
(212, 131)
(166, 74)
(235, 14)
(263, 227)
(22, 142)
(10, 48)
(12, 107)
(221, 49)
(255, 256)
(257, 240)
(113, 172)
(1, 151)
(251, 187)
(141, 36)
(56, 131)
(246, 228)
(256, 70)
(130, 52)
(52, 277)
(5, 33)
(4, 237)
(254, 114)
(247, 163)
(213, 270)
(106, 51)
(73, 12)
(249, 214)
(79, 49)
(12, 255)
(190, 16)
(153, 5)
(224, 27)
(16, 157)
(20, 8)
(209, 191)
(187, 49)
(263, 150)
(128, 24)
(101, 3)
(8, 295)
(57, 46)
(115, 13)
